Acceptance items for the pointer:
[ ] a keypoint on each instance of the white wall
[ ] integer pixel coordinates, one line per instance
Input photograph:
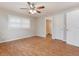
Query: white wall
(59, 30)
(3, 24)
(8, 34)
(41, 29)
(38, 27)
(57, 26)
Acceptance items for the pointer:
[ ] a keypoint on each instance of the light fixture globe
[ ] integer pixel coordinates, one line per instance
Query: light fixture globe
(32, 11)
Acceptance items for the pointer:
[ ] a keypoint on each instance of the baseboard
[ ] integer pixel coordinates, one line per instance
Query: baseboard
(60, 39)
(41, 35)
(16, 39)
(72, 44)
(7, 40)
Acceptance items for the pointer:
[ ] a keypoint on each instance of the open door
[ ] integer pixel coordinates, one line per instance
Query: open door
(48, 29)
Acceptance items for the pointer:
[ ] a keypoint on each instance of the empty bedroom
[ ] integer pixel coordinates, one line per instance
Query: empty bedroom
(39, 28)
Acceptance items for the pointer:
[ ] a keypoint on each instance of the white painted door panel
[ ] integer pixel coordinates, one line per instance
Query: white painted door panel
(73, 27)
(59, 26)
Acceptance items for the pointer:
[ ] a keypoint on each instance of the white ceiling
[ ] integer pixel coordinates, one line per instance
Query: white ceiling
(50, 7)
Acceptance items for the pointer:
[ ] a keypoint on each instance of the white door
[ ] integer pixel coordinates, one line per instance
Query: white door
(58, 26)
(73, 27)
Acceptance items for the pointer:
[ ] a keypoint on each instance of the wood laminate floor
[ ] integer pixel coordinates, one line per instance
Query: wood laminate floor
(37, 46)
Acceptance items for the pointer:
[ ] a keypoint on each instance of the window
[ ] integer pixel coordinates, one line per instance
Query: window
(18, 22)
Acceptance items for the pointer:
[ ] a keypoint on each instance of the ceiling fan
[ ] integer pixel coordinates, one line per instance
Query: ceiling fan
(33, 9)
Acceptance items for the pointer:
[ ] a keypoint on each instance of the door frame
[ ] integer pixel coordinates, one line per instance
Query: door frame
(65, 27)
(51, 25)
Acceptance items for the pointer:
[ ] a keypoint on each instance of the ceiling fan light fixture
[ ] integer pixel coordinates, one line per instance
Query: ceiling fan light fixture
(32, 11)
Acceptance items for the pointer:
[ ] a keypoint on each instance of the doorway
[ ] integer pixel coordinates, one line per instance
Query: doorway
(48, 28)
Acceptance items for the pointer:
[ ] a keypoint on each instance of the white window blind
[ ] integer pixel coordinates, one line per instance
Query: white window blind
(18, 22)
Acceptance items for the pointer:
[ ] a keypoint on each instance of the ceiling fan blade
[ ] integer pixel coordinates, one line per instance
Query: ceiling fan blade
(38, 11)
(28, 3)
(32, 8)
(40, 7)
(31, 5)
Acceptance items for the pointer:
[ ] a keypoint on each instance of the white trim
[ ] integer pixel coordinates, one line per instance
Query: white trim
(15, 39)
(53, 36)
(72, 44)
(65, 27)
(41, 35)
